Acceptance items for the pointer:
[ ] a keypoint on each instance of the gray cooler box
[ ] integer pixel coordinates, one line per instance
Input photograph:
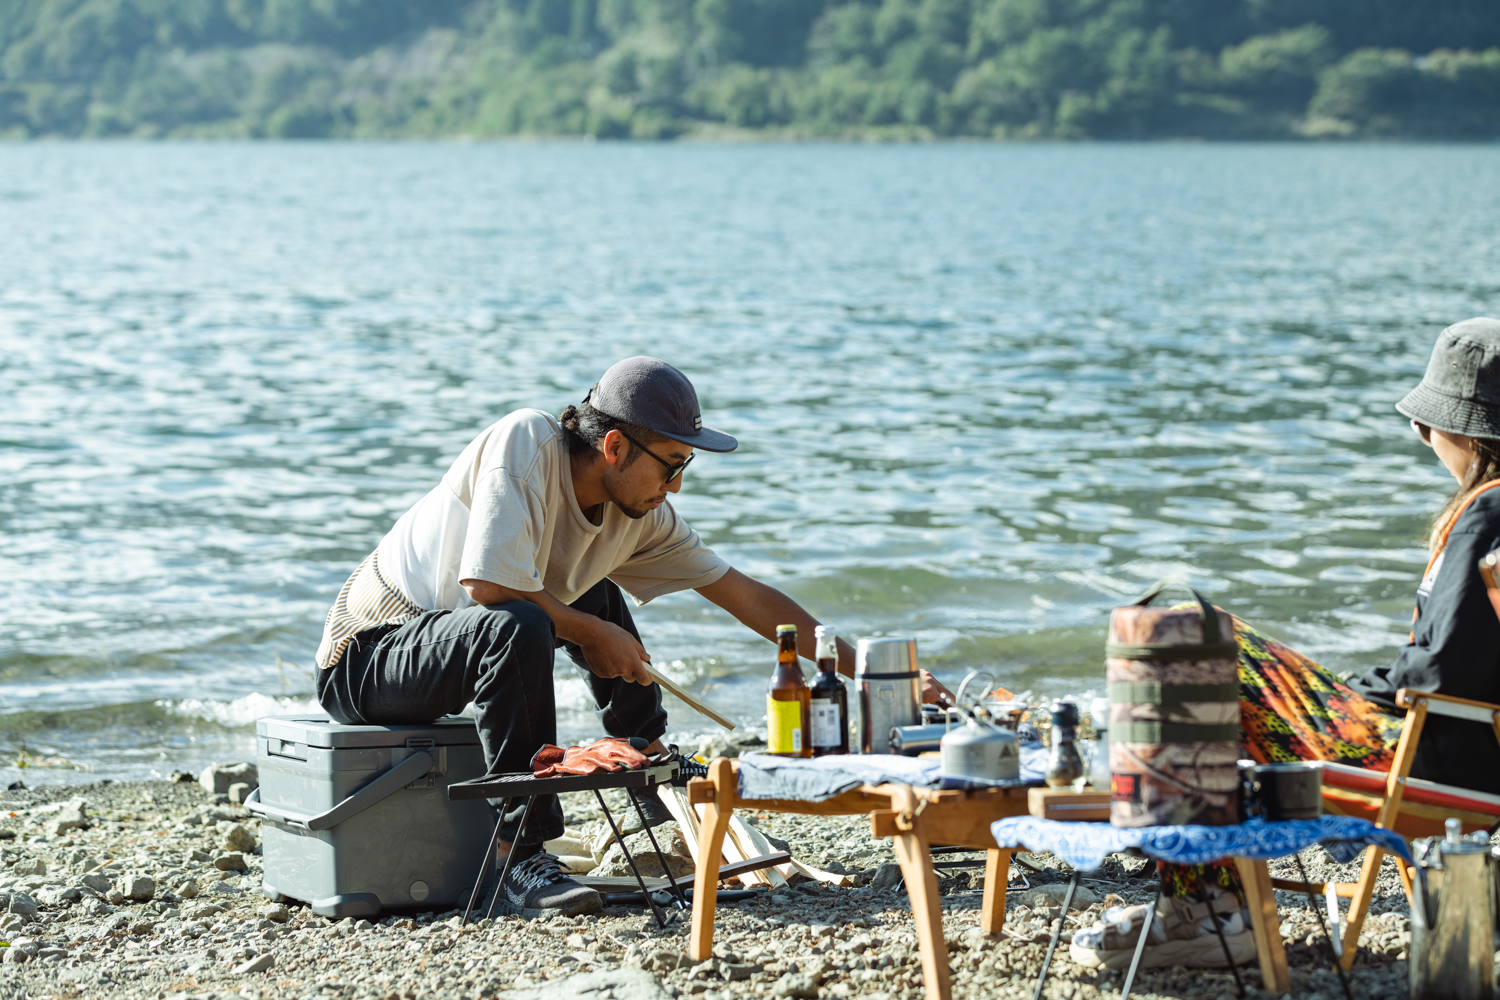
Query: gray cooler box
(356, 819)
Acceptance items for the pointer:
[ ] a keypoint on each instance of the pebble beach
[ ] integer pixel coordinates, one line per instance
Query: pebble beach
(151, 891)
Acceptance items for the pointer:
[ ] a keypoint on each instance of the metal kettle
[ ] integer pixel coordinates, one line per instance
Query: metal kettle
(978, 749)
(1452, 953)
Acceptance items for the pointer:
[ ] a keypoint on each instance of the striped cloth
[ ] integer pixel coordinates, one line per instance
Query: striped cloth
(366, 600)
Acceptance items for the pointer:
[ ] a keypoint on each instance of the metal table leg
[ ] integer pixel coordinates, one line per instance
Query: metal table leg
(1312, 901)
(505, 868)
(677, 890)
(661, 918)
(489, 852)
(1056, 936)
(1213, 918)
(1140, 947)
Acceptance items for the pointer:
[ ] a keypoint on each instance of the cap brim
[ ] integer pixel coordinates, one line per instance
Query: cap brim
(1450, 414)
(707, 439)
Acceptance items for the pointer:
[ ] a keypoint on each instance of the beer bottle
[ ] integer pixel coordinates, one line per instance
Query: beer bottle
(787, 700)
(830, 699)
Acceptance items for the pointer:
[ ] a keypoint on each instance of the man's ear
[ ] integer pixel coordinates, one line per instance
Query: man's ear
(613, 448)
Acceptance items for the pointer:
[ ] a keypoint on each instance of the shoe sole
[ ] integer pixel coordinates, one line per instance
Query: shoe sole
(1198, 953)
(585, 905)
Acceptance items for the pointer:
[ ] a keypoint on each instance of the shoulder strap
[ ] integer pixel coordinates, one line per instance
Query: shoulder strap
(1448, 529)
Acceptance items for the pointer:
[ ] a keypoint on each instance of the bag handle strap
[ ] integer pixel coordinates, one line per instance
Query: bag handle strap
(1206, 614)
(1213, 647)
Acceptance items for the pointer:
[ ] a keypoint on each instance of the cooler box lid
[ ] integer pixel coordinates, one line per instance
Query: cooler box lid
(316, 730)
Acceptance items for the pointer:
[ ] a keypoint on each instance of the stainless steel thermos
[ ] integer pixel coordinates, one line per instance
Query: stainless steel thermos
(890, 694)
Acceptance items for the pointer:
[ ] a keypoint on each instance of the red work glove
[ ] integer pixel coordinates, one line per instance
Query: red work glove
(607, 754)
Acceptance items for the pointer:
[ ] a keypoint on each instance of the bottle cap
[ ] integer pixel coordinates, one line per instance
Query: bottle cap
(821, 631)
(785, 628)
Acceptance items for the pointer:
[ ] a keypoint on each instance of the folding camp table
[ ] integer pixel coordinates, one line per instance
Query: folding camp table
(509, 787)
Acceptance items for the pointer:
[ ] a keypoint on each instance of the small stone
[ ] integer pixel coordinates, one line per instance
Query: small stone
(260, 963)
(274, 912)
(183, 777)
(197, 857)
(674, 847)
(231, 862)
(72, 816)
(237, 838)
(97, 882)
(13, 955)
(795, 985)
(735, 972)
(114, 897)
(216, 778)
(29, 866)
(1052, 895)
(143, 925)
(223, 889)
(239, 792)
(886, 877)
(7, 835)
(139, 888)
(202, 911)
(22, 905)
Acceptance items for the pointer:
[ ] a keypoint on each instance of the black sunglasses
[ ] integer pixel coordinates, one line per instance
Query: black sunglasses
(673, 471)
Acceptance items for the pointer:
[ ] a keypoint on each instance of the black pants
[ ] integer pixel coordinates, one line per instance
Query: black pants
(500, 657)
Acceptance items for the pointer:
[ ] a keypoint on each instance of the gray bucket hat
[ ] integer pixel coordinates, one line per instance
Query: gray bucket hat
(1460, 393)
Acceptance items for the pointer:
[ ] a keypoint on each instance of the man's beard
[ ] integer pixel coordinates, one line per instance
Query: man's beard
(634, 513)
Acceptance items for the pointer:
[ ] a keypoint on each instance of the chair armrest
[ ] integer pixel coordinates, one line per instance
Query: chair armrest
(1446, 704)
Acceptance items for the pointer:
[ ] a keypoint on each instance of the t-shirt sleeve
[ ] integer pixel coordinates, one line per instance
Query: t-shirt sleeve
(503, 543)
(670, 559)
(1455, 636)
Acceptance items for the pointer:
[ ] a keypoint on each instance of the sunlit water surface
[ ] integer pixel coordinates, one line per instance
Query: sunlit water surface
(985, 394)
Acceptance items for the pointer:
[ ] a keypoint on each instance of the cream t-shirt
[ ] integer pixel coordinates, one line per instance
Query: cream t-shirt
(505, 512)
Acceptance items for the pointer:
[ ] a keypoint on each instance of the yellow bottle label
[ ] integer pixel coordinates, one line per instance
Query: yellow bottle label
(783, 726)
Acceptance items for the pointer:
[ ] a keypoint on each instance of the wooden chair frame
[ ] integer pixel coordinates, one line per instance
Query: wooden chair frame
(1389, 809)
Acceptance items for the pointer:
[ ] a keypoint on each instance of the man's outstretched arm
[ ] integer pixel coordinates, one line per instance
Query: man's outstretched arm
(761, 608)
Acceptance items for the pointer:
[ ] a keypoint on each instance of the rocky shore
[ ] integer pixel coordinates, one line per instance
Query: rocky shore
(150, 891)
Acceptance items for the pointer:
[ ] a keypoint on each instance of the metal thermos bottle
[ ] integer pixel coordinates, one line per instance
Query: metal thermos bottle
(890, 695)
(1453, 918)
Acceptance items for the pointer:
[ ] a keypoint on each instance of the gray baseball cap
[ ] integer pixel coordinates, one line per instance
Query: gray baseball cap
(1460, 393)
(652, 394)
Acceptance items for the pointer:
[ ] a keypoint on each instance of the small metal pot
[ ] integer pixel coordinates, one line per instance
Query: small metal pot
(1280, 792)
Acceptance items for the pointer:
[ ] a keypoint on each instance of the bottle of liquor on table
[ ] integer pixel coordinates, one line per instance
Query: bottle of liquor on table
(787, 702)
(830, 699)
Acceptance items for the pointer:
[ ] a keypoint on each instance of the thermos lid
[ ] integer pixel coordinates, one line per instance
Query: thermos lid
(886, 659)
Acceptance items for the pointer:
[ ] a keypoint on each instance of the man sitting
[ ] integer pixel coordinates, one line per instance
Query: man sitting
(523, 547)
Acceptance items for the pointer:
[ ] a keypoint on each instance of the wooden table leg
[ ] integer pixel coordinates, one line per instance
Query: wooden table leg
(711, 832)
(992, 904)
(914, 854)
(1265, 923)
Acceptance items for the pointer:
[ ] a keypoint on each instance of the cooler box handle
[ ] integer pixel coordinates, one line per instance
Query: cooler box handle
(387, 784)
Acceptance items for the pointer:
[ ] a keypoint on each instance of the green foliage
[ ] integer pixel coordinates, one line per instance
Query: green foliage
(654, 69)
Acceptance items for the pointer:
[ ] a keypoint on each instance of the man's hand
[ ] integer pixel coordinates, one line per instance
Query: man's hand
(933, 691)
(610, 650)
(613, 652)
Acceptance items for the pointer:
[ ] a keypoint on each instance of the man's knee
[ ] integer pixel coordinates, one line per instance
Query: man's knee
(521, 623)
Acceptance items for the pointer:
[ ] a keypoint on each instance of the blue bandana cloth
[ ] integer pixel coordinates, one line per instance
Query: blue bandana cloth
(1086, 845)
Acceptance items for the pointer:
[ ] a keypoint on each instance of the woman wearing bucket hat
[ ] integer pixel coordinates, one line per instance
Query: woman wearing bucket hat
(1293, 709)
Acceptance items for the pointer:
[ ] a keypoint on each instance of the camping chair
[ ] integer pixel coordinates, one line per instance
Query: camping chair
(1396, 801)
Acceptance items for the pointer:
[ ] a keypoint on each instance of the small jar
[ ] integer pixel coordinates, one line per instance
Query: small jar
(1064, 765)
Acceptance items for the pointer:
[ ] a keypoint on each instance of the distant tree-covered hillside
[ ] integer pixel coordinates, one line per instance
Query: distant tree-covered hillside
(656, 69)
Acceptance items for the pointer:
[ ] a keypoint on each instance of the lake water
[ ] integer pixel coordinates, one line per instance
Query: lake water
(984, 393)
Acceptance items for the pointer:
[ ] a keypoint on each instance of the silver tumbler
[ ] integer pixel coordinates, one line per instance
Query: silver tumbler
(890, 693)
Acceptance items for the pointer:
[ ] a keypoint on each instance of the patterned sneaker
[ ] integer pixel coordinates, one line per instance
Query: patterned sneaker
(688, 768)
(1182, 933)
(537, 887)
